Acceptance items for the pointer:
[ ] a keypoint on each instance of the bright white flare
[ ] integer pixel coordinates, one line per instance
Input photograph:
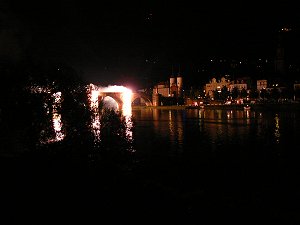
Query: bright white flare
(93, 94)
(94, 98)
(126, 97)
(56, 117)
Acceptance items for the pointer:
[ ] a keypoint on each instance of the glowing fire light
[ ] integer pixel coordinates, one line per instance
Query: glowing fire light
(56, 118)
(126, 97)
(93, 98)
(93, 92)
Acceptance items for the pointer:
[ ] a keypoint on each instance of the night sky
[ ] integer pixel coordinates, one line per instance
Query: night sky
(130, 42)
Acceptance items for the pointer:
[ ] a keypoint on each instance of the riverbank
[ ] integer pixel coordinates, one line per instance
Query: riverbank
(160, 107)
(184, 107)
(259, 107)
(281, 107)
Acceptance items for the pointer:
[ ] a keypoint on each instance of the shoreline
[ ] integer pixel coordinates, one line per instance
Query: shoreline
(290, 106)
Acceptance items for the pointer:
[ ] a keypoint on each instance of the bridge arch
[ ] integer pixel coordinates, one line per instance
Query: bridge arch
(143, 97)
(115, 96)
(118, 98)
(109, 102)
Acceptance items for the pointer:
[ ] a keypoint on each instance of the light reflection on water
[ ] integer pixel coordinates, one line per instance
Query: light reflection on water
(176, 129)
(277, 127)
(231, 126)
(211, 129)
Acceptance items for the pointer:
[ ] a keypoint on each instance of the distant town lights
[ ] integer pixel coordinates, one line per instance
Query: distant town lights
(285, 29)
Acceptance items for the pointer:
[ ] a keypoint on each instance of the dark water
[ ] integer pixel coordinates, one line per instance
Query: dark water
(236, 166)
(187, 167)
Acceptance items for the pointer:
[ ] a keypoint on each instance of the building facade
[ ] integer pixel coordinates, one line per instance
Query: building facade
(170, 89)
(173, 88)
(215, 85)
(261, 84)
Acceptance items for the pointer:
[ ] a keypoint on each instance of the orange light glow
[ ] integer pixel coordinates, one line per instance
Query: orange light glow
(125, 96)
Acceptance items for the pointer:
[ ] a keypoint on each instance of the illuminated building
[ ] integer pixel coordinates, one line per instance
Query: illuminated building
(213, 86)
(173, 88)
(261, 84)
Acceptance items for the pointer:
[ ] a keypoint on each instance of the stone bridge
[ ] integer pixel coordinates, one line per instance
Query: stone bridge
(141, 96)
(118, 97)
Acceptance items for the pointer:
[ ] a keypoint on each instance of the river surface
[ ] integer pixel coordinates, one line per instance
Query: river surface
(192, 166)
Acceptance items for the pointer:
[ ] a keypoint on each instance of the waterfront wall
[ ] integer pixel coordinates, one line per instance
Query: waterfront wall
(259, 107)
